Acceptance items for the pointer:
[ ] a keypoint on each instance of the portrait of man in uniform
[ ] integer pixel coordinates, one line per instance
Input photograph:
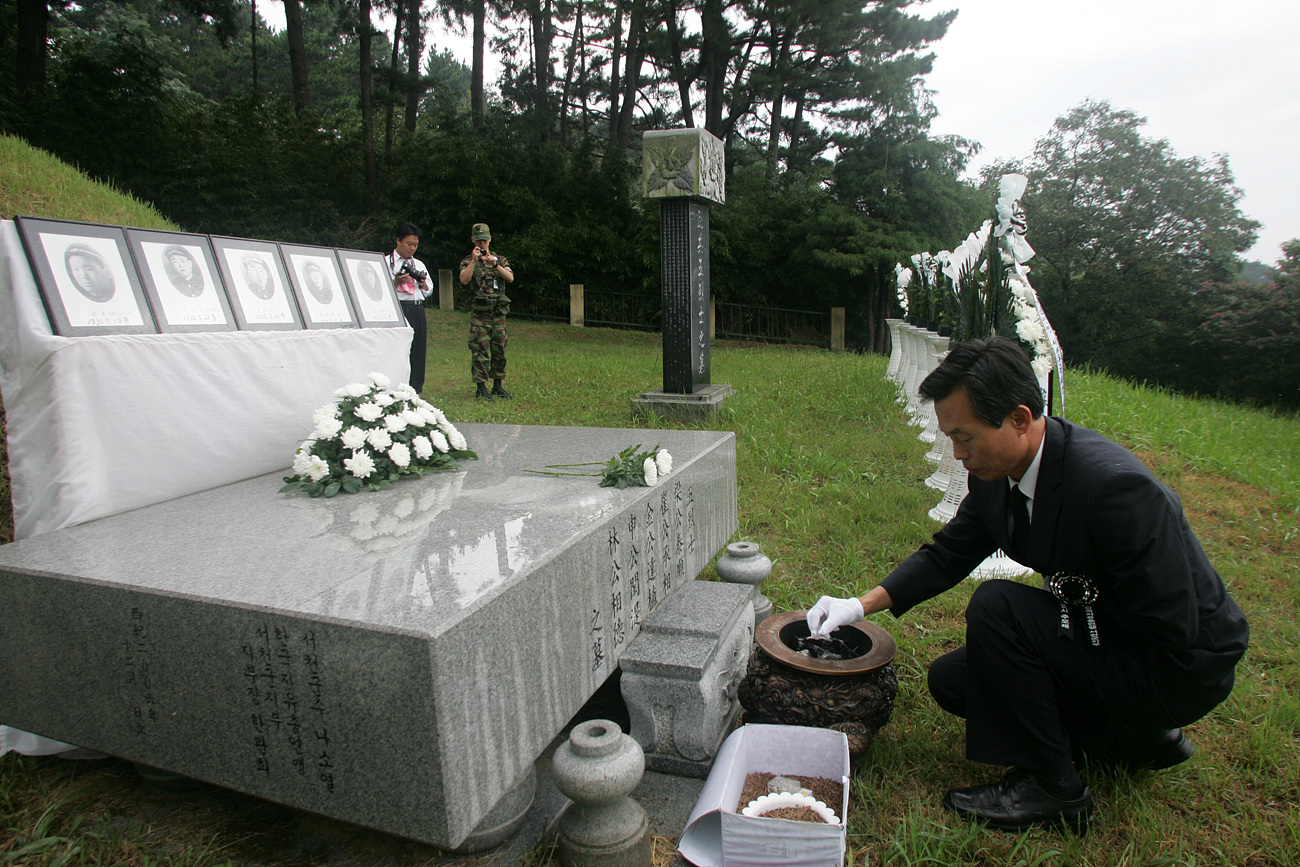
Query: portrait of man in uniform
(89, 273)
(257, 276)
(182, 271)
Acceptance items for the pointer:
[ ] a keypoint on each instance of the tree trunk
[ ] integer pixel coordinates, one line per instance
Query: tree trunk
(713, 56)
(779, 66)
(294, 34)
(390, 102)
(542, 36)
(677, 69)
(253, 36)
(414, 59)
(632, 75)
(477, 110)
(570, 61)
(615, 59)
(364, 31)
(33, 49)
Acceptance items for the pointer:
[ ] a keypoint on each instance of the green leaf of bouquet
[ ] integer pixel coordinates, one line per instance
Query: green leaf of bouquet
(331, 489)
(463, 455)
(292, 486)
(351, 484)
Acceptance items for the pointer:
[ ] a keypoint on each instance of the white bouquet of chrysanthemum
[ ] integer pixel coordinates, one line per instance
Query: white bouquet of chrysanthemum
(628, 468)
(372, 436)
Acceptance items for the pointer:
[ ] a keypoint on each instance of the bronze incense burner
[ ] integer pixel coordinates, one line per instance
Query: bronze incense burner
(854, 695)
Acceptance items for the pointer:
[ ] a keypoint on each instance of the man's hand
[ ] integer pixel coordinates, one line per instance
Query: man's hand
(830, 613)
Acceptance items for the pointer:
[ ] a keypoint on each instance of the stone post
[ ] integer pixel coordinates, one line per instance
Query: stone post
(684, 169)
(598, 767)
(577, 304)
(446, 296)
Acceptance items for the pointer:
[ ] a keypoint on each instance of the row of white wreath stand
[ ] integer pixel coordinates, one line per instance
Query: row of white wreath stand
(915, 352)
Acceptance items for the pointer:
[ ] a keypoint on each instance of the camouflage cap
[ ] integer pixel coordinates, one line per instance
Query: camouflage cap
(480, 232)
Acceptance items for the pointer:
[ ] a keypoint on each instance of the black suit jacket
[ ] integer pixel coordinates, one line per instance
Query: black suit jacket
(1099, 512)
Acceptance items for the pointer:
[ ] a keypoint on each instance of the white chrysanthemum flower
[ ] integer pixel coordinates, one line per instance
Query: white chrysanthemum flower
(427, 412)
(301, 461)
(423, 448)
(360, 464)
(405, 392)
(404, 507)
(379, 439)
(439, 441)
(353, 389)
(395, 423)
(369, 412)
(413, 418)
(453, 436)
(327, 428)
(664, 462)
(329, 410)
(380, 379)
(385, 398)
(651, 472)
(400, 455)
(353, 438)
(317, 468)
(1042, 366)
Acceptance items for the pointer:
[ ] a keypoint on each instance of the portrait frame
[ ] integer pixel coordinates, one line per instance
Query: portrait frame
(87, 278)
(373, 312)
(317, 282)
(181, 302)
(257, 284)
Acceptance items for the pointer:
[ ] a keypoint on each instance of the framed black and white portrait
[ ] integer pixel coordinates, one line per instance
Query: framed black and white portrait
(318, 284)
(257, 284)
(366, 275)
(87, 278)
(181, 281)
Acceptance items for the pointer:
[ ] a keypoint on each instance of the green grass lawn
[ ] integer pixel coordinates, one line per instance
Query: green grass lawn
(831, 484)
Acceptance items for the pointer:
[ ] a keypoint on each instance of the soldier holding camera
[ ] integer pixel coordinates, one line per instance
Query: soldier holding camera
(411, 280)
(487, 320)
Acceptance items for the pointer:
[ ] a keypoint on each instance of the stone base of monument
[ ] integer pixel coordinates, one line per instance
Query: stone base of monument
(695, 406)
(397, 659)
(681, 675)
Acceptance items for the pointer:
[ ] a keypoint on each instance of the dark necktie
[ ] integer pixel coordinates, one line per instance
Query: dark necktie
(1018, 520)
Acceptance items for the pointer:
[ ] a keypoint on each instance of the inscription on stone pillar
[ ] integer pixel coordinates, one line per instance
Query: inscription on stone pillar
(684, 253)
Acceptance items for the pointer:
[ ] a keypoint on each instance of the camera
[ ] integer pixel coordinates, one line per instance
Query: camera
(412, 271)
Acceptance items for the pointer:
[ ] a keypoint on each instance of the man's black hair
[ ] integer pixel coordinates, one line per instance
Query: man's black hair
(404, 229)
(995, 374)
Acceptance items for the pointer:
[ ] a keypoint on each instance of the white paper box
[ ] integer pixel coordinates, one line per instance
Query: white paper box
(718, 836)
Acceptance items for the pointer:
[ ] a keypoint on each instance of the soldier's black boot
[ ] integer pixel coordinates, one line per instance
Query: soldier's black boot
(499, 391)
(482, 392)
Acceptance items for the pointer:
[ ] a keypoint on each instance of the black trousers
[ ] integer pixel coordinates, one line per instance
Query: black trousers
(1031, 694)
(414, 313)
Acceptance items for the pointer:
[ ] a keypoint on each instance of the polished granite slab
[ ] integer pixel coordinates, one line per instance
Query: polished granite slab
(397, 659)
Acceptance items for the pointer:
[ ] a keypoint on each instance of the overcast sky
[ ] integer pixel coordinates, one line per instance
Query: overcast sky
(1209, 76)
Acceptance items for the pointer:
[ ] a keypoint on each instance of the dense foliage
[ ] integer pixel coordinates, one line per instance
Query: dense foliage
(342, 125)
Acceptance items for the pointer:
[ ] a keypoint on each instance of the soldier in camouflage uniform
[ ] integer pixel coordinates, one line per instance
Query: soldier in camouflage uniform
(487, 318)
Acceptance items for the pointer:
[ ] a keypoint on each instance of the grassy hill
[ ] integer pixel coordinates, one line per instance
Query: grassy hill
(35, 184)
(831, 484)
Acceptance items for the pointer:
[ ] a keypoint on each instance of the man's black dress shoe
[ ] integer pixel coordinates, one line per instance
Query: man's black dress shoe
(1145, 749)
(1018, 802)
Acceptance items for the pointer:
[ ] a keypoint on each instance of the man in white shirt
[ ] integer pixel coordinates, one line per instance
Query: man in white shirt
(411, 280)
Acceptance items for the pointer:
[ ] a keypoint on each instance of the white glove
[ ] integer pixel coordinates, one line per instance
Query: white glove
(829, 614)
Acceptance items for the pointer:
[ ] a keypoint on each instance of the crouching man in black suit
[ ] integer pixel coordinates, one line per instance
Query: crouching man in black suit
(1132, 636)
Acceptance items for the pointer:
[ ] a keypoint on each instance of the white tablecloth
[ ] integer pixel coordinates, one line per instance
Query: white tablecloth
(101, 425)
